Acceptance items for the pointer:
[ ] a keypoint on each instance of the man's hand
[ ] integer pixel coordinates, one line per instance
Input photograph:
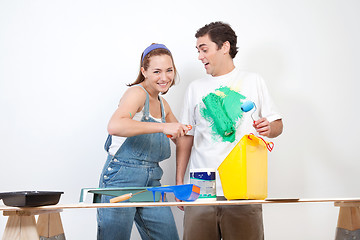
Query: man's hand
(262, 126)
(268, 129)
(179, 207)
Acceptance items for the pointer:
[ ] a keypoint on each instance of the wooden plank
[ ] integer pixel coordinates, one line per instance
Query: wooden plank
(196, 203)
(21, 223)
(20, 218)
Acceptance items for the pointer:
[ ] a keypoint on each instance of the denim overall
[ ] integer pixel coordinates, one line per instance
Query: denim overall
(136, 164)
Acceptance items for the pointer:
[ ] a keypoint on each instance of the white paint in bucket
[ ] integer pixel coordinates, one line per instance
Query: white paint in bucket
(205, 179)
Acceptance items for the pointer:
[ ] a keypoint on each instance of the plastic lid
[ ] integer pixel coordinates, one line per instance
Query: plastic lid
(203, 170)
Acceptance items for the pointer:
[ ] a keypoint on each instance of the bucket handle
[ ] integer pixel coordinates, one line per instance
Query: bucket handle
(269, 145)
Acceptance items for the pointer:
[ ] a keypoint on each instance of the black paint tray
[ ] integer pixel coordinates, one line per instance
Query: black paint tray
(30, 198)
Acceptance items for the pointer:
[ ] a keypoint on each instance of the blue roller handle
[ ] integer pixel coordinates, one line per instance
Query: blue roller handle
(247, 106)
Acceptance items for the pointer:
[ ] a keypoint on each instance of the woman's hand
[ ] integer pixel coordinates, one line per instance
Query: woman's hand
(175, 129)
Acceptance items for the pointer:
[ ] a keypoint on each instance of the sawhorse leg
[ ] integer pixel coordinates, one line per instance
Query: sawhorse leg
(49, 226)
(348, 226)
(21, 225)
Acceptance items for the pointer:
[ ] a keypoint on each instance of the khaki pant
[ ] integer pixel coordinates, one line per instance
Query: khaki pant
(240, 222)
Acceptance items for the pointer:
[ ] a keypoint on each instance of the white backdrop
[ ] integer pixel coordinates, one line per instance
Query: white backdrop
(64, 66)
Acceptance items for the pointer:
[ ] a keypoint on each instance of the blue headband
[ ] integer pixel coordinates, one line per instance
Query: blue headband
(153, 47)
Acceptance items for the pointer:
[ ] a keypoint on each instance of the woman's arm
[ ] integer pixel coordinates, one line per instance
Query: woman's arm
(122, 124)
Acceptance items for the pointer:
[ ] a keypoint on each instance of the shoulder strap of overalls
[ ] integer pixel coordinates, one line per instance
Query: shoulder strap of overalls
(162, 110)
(146, 107)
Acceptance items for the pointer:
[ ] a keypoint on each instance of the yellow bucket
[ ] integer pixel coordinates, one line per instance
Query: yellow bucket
(243, 173)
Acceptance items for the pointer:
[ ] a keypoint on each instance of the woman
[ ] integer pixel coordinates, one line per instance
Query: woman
(136, 144)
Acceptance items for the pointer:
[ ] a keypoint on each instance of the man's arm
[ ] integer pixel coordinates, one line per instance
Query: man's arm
(276, 128)
(183, 150)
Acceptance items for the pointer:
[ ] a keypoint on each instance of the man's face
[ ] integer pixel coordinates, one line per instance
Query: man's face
(210, 55)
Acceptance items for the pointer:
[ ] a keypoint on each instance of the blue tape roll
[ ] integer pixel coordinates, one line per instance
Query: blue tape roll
(247, 106)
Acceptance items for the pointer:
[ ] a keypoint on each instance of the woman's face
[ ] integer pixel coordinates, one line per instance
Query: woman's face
(160, 73)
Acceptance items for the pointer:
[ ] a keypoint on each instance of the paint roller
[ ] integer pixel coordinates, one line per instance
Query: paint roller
(247, 106)
(222, 122)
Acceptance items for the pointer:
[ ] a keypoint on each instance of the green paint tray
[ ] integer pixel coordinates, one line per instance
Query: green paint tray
(115, 192)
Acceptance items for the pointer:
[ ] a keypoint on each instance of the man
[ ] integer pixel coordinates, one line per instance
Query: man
(212, 106)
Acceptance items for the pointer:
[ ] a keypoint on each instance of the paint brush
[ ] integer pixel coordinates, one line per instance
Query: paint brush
(124, 197)
(188, 126)
(191, 126)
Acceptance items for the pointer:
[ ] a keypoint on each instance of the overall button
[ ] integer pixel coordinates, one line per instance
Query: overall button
(109, 168)
(106, 177)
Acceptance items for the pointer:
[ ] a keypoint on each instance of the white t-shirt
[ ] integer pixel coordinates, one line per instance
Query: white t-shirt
(209, 148)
